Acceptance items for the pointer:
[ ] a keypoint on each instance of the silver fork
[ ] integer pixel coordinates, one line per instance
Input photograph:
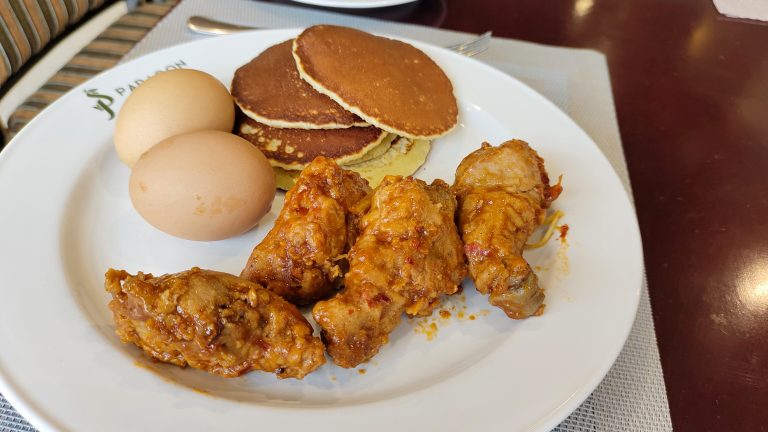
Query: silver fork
(473, 46)
(211, 27)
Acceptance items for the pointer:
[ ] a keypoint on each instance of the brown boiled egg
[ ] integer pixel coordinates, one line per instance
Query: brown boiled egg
(205, 185)
(168, 104)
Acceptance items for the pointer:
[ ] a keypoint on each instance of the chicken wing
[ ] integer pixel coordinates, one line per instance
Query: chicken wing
(212, 321)
(503, 194)
(408, 254)
(301, 258)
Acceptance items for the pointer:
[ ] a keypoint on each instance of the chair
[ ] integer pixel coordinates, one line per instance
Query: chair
(32, 30)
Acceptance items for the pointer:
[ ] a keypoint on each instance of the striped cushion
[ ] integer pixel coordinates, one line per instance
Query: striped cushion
(27, 26)
(101, 54)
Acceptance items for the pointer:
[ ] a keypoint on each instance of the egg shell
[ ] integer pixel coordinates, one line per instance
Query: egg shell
(205, 185)
(168, 104)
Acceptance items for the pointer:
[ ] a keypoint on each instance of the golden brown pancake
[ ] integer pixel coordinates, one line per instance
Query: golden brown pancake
(377, 151)
(293, 149)
(388, 83)
(402, 157)
(269, 90)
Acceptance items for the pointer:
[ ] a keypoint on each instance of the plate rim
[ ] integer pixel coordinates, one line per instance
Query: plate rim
(365, 4)
(39, 417)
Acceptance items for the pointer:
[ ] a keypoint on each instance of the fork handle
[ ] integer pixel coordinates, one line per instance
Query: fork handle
(209, 26)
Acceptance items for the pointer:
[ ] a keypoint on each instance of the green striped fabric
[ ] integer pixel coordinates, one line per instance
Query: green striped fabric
(101, 54)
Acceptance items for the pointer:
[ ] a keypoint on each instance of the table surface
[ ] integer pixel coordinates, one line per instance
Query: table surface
(691, 92)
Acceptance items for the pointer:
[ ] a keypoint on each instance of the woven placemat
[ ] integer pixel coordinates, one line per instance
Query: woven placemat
(632, 397)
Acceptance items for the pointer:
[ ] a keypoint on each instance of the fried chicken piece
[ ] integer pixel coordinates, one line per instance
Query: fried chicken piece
(503, 194)
(408, 254)
(301, 258)
(212, 321)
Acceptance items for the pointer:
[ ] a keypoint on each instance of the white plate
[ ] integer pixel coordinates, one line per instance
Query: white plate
(66, 217)
(355, 4)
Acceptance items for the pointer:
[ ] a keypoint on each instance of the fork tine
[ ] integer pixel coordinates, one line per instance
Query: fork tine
(474, 50)
(482, 39)
(474, 46)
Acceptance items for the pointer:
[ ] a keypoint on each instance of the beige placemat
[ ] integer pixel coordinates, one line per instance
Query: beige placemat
(632, 397)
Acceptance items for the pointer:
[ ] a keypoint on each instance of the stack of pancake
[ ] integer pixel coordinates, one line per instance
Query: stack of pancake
(370, 103)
